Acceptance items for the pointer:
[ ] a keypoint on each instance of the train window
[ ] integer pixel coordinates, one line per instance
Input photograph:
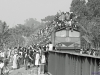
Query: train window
(61, 33)
(74, 34)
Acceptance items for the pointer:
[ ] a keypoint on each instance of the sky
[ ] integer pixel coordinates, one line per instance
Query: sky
(15, 12)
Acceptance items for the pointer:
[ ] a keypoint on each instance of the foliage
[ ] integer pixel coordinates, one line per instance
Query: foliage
(30, 27)
(4, 34)
(48, 18)
(32, 23)
(89, 16)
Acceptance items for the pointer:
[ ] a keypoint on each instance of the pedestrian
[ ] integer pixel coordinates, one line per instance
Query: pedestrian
(5, 68)
(43, 61)
(47, 47)
(31, 56)
(18, 60)
(23, 55)
(34, 56)
(20, 57)
(44, 47)
(27, 60)
(37, 58)
(50, 46)
(15, 61)
(46, 62)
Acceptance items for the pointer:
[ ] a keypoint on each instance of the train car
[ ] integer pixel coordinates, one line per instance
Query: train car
(66, 39)
(68, 34)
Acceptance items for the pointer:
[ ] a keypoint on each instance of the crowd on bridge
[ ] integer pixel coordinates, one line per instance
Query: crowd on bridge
(31, 56)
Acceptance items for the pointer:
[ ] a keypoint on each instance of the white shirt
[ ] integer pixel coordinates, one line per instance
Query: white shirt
(1, 65)
(37, 56)
(43, 59)
(50, 47)
(2, 54)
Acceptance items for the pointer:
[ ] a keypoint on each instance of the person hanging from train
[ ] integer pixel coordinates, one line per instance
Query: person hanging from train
(62, 17)
(67, 16)
(74, 22)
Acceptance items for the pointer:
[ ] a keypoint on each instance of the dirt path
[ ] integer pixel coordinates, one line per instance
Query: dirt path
(22, 71)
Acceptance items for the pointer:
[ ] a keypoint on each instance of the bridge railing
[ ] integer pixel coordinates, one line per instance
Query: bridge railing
(67, 63)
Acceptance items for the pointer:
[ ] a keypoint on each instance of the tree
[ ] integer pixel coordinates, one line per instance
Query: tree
(32, 23)
(89, 16)
(16, 38)
(25, 30)
(48, 18)
(4, 34)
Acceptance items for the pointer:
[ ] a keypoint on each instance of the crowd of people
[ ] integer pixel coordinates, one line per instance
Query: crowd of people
(65, 20)
(31, 56)
(35, 55)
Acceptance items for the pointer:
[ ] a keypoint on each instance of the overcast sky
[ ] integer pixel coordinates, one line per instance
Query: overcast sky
(16, 11)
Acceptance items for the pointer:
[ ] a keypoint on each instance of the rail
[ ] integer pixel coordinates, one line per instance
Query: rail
(70, 63)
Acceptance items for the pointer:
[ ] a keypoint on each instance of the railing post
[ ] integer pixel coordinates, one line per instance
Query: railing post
(76, 65)
(56, 64)
(95, 65)
(83, 65)
(76, 59)
(79, 65)
(67, 65)
(70, 63)
(87, 66)
(92, 66)
(73, 65)
(99, 66)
